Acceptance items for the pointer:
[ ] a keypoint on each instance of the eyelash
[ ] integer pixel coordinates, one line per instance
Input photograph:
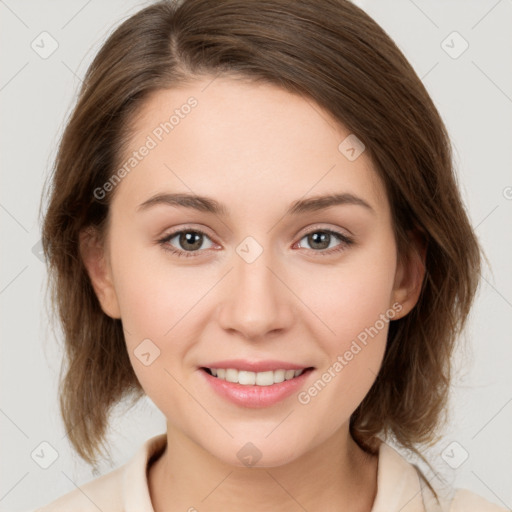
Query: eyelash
(345, 240)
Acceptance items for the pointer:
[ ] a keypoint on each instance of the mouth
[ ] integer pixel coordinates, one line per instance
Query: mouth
(255, 384)
(249, 378)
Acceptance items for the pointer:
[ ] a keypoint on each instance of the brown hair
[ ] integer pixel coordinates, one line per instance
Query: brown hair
(333, 53)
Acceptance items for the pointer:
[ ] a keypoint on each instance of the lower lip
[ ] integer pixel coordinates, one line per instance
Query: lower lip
(256, 396)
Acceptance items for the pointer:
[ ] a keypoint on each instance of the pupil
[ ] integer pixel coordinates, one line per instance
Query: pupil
(187, 238)
(321, 239)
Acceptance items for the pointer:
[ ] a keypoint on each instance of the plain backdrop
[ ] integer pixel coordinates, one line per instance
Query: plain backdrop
(461, 50)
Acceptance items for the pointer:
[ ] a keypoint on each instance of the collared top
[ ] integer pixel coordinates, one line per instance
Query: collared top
(399, 488)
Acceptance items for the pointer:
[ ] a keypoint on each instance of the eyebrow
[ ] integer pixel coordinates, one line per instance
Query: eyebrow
(210, 205)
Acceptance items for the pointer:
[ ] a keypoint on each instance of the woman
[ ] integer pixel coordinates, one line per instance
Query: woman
(254, 221)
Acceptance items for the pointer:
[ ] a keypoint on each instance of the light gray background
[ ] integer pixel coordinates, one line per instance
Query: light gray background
(474, 95)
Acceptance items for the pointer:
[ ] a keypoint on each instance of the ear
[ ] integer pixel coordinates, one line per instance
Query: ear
(410, 273)
(96, 262)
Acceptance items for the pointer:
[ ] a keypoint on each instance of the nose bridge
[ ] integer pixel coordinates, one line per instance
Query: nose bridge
(256, 302)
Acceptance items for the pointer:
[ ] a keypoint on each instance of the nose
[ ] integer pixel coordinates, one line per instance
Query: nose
(258, 301)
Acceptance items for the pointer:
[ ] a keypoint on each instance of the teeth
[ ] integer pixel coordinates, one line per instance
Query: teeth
(279, 376)
(289, 374)
(231, 375)
(255, 378)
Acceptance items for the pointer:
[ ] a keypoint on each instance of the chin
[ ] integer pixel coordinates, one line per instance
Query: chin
(259, 453)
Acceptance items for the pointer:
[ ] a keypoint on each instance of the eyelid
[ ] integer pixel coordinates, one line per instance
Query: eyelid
(196, 228)
(322, 227)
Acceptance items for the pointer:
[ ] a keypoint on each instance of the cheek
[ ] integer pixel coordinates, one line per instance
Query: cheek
(354, 303)
(159, 308)
(145, 299)
(152, 295)
(154, 304)
(351, 297)
(151, 305)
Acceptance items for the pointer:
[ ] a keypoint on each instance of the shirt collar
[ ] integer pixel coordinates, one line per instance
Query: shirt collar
(398, 484)
(136, 496)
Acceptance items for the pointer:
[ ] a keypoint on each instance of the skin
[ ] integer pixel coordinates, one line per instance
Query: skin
(255, 148)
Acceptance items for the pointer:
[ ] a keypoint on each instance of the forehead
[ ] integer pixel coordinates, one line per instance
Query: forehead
(243, 141)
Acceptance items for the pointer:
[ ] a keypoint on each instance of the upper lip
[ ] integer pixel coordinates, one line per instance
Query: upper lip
(255, 366)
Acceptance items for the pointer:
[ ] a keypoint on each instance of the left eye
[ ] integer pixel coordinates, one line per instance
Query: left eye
(190, 240)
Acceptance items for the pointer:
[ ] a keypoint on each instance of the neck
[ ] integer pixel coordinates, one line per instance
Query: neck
(335, 475)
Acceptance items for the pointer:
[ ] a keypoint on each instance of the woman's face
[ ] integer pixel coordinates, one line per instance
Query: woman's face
(262, 277)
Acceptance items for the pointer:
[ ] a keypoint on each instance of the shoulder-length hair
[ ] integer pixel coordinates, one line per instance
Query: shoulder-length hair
(328, 51)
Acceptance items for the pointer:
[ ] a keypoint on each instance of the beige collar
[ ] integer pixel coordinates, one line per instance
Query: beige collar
(398, 482)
